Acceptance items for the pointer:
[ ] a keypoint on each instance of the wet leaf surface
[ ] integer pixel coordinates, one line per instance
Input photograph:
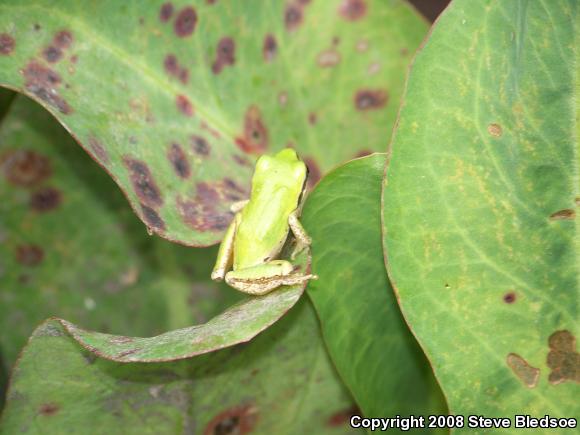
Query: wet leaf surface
(366, 336)
(174, 100)
(281, 382)
(481, 193)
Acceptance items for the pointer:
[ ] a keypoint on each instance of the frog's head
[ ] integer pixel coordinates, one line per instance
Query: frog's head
(284, 168)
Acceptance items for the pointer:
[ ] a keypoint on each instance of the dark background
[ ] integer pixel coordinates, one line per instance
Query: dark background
(430, 8)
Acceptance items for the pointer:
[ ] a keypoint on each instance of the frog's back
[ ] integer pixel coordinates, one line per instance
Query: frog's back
(276, 189)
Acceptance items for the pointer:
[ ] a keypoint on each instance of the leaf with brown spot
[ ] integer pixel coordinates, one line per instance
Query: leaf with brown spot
(255, 386)
(480, 239)
(72, 248)
(139, 77)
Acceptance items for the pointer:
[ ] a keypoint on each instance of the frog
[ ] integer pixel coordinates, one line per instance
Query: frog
(248, 256)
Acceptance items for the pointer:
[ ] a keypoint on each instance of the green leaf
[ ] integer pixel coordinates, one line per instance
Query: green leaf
(366, 336)
(480, 206)
(130, 283)
(237, 324)
(282, 382)
(170, 98)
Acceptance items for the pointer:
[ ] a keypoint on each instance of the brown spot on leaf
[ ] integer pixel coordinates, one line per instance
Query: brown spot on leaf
(48, 409)
(343, 416)
(200, 145)
(509, 297)
(99, 150)
(563, 358)
(225, 54)
(171, 65)
(184, 105)
(152, 218)
(166, 12)
(270, 48)
(242, 161)
(239, 420)
(204, 126)
(495, 130)
(565, 214)
(183, 75)
(208, 210)
(312, 118)
(127, 353)
(45, 199)
(293, 17)
(370, 99)
(43, 82)
(52, 54)
(185, 22)
(172, 68)
(363, 153)
(328, 59)
(63, 39)
(25, 168)
(143, 182)
(29, 255)
(313, 171)
(7, 44)
(352, 10)
(179, 161)
(526, 373)
(255, 138)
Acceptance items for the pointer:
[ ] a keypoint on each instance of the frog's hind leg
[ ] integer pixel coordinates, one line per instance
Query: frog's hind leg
(259, 280)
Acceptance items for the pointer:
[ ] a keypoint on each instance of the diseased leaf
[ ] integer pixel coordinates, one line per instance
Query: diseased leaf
(95, 266)
(281, 382)
(367, 338)
(72, 248)
(174, 99)
(480, 205)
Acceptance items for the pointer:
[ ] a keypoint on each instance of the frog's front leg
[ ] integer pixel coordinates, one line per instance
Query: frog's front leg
(238, 205)
(302, 239)
(261, 279)
(226, 251)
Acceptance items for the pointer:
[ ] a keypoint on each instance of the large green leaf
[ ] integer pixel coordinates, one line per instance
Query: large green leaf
(171, 97)
(480, 205)
(367, 338)
(280, 383)
(130, 284)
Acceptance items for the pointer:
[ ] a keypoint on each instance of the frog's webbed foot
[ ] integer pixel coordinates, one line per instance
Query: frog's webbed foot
(259, 280)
